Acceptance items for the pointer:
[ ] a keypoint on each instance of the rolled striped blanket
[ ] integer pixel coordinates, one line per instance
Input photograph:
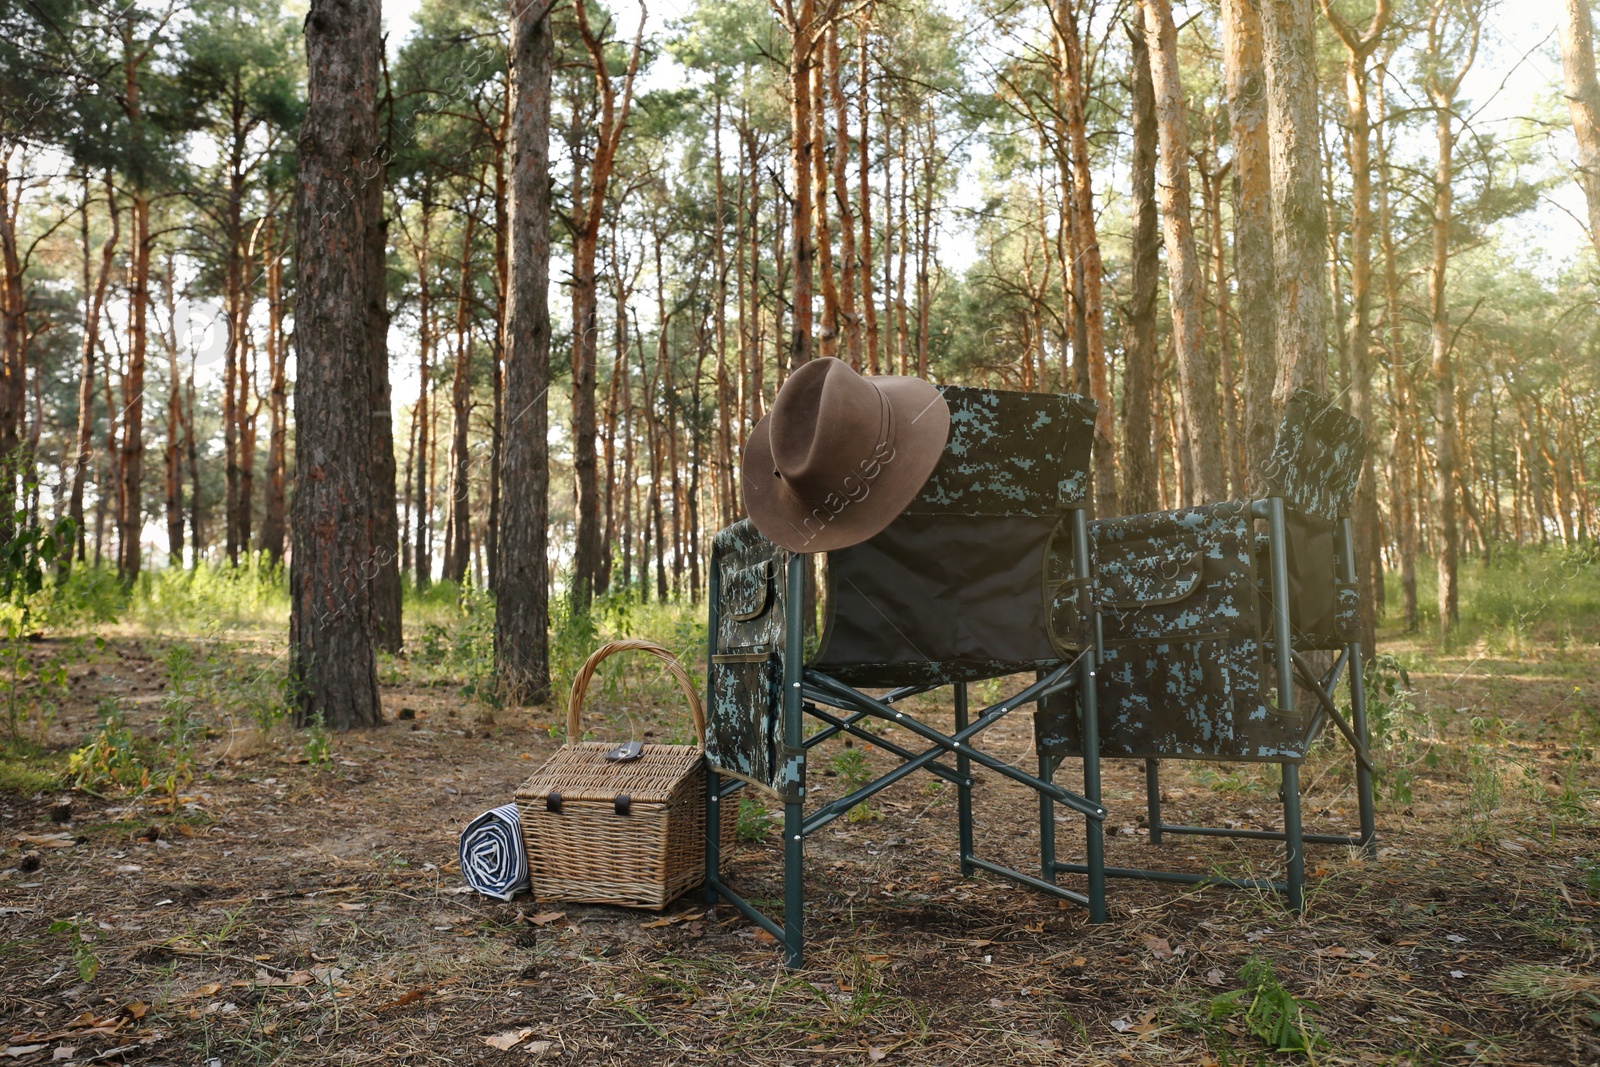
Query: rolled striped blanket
(494, 860)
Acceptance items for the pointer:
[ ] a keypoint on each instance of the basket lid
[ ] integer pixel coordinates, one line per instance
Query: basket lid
(582, 772)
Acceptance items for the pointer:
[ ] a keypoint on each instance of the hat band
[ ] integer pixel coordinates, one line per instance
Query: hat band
(857, 483)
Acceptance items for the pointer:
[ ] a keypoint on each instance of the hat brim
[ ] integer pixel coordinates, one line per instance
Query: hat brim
(861, 509)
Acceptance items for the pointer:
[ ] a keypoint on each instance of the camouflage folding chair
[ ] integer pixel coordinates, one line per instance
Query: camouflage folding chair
(1202, 623)
(951, 592)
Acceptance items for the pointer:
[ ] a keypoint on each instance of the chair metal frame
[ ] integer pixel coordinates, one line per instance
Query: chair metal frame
(1011, 457)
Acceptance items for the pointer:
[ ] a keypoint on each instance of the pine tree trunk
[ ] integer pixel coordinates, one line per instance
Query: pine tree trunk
(1140, 465)
(460, 410)
(1583, 103)
(869, 306)
(130, 495)
(827, 329)
(1299, 226)
(238, 331)
(13, 340)
(173, 449)
(1358, 123)
(802, 31)
(849, 317)
(331, 640)
(383, 518)
(91, 338)
(587, 215)
(522, 617)
(1195, 373)
(1087, 258)
(722, 464)
(1252, 232)
(273, 530)
(1442, 90)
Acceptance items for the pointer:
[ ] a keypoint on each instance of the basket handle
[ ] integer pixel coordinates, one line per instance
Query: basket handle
(580, 684)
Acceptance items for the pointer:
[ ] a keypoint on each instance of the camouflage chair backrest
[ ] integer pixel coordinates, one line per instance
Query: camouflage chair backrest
(1316, 461)
(953, 590)
(1013, 465)
(1315, 467)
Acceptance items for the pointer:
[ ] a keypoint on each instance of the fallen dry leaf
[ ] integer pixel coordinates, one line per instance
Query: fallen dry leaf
(537, 1048)
(14, 1051)
(1215, 977)
(545, 918)
(1160, 947)
(874, 1053)
(406, 998)
(508, 1039)
(46, 841)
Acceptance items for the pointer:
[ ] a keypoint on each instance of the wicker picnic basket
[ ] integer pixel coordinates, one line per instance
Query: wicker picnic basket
(632, 832)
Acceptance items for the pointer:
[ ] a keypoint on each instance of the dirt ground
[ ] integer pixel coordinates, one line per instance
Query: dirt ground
(281, 910)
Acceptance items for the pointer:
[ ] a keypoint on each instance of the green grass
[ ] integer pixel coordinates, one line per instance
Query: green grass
(26, 772)
(1527, 597)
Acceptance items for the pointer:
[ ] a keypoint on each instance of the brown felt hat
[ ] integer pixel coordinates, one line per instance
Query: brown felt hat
(839, 455)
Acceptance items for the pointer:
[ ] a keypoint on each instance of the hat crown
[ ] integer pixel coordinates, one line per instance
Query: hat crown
(829, 424)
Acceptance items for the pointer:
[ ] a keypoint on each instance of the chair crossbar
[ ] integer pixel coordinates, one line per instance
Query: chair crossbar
(1308, 675)
(1258, 835)
(838, 725)
(1028, 880)
(840, 695)
(1180, 877)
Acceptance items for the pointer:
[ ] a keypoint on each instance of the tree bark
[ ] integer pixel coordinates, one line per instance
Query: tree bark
(273, 531)
(1299, 226)
(1442, 89)
(1140, 466)
(1087, 263)
(869, 307)
(173, 452)
(1583, 103)
(522, 616)
(91, 338)
(333, 669)
(801, 22)
(1252, 231)
(383, 518)
(1358, 49)
(130, 499)
(849, 317)
(587, 215)
(455, 568)
(1195, 373)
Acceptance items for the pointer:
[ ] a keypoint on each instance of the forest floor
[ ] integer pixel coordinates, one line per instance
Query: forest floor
(298, 901)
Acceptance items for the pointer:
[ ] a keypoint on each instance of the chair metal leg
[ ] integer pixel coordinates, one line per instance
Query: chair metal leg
(1358, 705)
(1152, 798)
(964, 788)
(794, 790)
(1094, 853)
(1358, 722)
(1047, 822)
(713, 831)
(1294, 841)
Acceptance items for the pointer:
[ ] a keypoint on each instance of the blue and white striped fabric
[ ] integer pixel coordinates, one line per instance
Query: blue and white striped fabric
(494, 860)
